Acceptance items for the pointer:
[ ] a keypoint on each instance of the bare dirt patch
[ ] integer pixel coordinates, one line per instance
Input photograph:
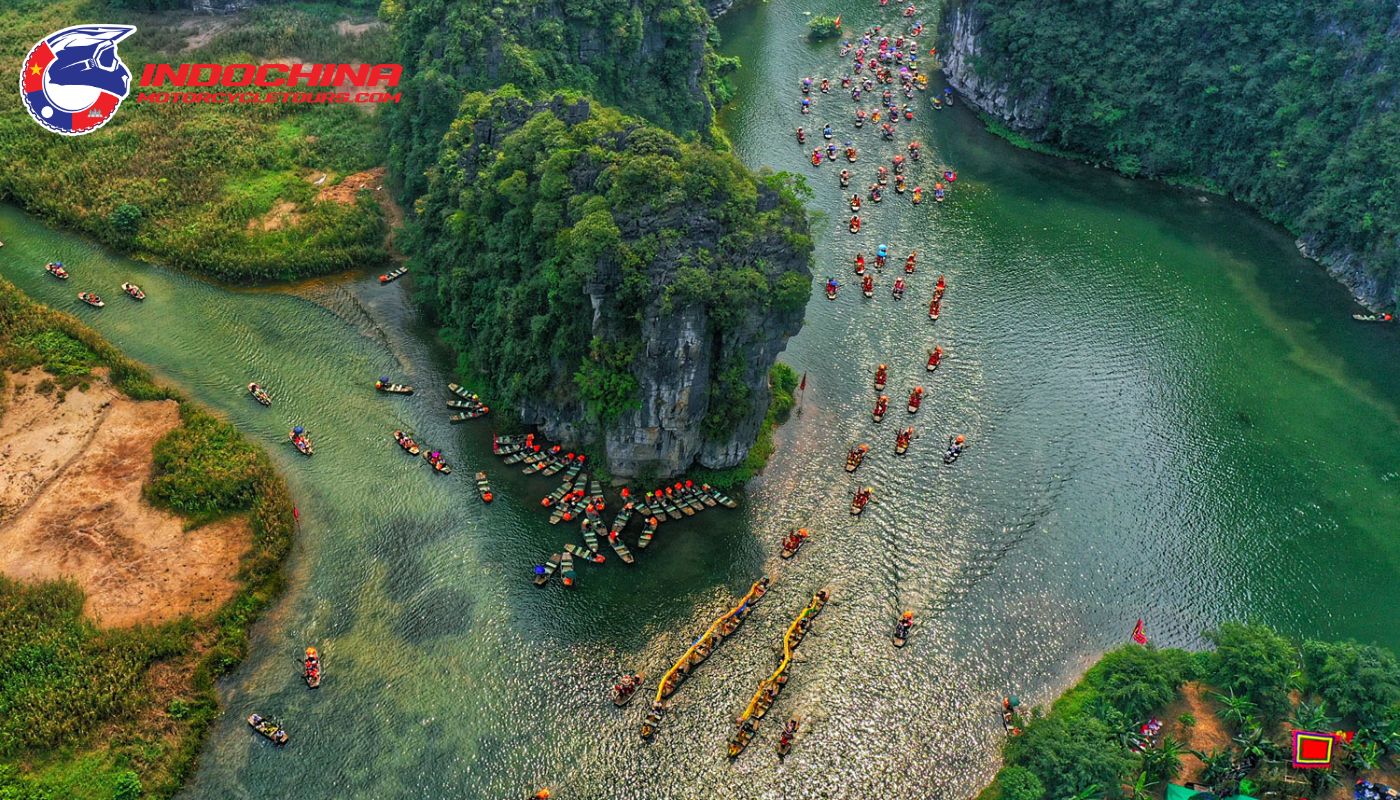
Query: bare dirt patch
(283, 214)
(200, 31)
(351, 185)
(71, 473)
(1208, 734)
(347, 28)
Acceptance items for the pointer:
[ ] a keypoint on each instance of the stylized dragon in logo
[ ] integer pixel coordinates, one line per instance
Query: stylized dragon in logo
(73, 80)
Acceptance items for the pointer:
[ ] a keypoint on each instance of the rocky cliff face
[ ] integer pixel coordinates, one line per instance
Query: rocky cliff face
(701, 285)
(1022, 110)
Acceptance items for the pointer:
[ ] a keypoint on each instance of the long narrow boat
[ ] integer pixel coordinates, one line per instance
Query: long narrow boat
(538, 467)
(626, 689)
(55, 268)
(583, 553)
(390, 277)
(706, 498)
(793, 542)
(1373, 317)
(133, 291)
(769, 687)
(91, 299)
(621, 549)
(483, 487)
(620, 521)
(553, 498)
(785, 740)
(575, 468)
(567, 569)
(462, 392)
(648, 531)
(411, 447)
(671, 510)
(590, 534)
(723, 498)
(902, 628)
(268, 728)
(558, 465)
(438, 463)
(386, 387)
(861, 500)
(677, 496)
(466, 415)
(464, 405)
(521, 455)
(311, 668)
(595, 492)
(259, 394)
(671, 680)
(545, 571)
(691, 497)
(855, 456)
(645, 506)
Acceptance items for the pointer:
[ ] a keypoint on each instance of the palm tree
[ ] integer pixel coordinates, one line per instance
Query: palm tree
(1238, 710)
(1164, 761)
(1313, 717)
(1087, 793)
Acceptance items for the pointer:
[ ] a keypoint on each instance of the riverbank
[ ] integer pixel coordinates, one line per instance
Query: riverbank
(241, 193)
(142, 537)
(1142, 718)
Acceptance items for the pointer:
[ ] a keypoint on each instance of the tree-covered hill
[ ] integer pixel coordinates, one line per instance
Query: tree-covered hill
(647, 57)
(1289, 105)
(612, 280)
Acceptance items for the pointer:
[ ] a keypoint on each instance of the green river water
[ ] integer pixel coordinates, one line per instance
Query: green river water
(1171, 417)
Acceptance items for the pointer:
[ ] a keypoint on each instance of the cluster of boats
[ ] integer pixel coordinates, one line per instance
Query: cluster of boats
(56, 269)
(468, 404)
(434, 458)
(746, 726)
(580, 497)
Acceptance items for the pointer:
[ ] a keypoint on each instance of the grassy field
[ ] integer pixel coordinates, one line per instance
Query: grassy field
(222, 190)
(120, 713)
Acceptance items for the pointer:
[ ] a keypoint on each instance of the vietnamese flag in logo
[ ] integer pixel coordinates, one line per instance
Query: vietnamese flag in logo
(34, 68)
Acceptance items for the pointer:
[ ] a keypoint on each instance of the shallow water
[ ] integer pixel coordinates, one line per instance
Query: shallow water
(1171, 417)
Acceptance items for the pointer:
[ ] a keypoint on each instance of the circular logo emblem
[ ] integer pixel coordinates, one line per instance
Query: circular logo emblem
(73, 81)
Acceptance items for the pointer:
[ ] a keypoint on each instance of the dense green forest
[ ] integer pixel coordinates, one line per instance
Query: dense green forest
(1256, 685)
(223, 190)
(1289, 105)
(648, 57)
(536, 206)
(80, 713)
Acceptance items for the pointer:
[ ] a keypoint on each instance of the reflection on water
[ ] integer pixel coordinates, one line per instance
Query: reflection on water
(1167, 420)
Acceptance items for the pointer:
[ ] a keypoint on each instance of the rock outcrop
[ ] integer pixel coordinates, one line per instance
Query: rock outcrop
(1023, 110)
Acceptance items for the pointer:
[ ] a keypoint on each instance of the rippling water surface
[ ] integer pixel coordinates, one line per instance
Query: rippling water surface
(1170, 415)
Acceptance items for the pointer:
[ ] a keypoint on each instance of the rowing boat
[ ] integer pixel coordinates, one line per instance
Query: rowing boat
(461, 391)
(856, 456)
(386, 387)
(861, 500)
(671, 510)
(133, 291)
(311, 668)
(268, 728)
(595, 492)
(785, 741)
(390, 277)
(706, 498)
(902, 628)
(259, 394)
(463, 405)
(439, 464)
(682, 502)
(621, 549)
(91, 299)
(545, 571)
(1372, 317)
(558, 465)
(300, 440)
(793, 542)
(580, 551)
(723, 498)
(56, 269)
(521, 454)
(771, 686)
(466, 415)
(648, 531)
(574, 468)
(553, 498)
(625, 690)
(620, 521)
(483, 487)
(540, 465)
(590, 534)
(567, 569)
(692, 497)
(409, 446)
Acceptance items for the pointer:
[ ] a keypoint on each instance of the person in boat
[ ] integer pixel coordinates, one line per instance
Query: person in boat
(801, 135)
(898, 287)
(806, 105)
(881, 404)
(850, 153)
(830, 151)
(855, 224)
(826, 131)
(875, 193)
(817, 157)
(806, 85)
(916, 397)
(860, 263)
(935, 356)
(909, 262)
(845, 177)
(955, 447)
(884, 175)
(918, 195)
(906, 621)
(940, 285)
(826, 85)
(867, 285)
(832, 286)
(880, 373)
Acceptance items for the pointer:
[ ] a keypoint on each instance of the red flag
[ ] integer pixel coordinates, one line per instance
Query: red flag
(837, 23)
(803, 387)
(1139, 635)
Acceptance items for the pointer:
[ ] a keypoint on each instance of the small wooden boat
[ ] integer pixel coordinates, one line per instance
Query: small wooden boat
(409, 446)
(723, 498)
(902, 440)
(483, 488)
(540, 465)
(621, 549)
(855, 456)
(902, 628)
(623, 517)
(268, 728)
(705, 497)
(545, 571)
(670, 507)
(682, 502)
(91, 299)
(558, 465)
(300, 440)
(916, 398)
(955, 449)
(881, 405)
(553, 498)
(521, 454)
(462, 392)
(648, 531)
(438, 463)
(464, 405)
(56, 269)
(793, 542)
(466, 415)
(133, 291)
(386, 387)
(595, 491)
(741, 737)
(1373, 317)
(575, 468)
(786, 739)
(259, 394)
(567, 569)
(861, 500)
(653, 721)
(583, 553)
(590, 534)
(626, 689)
(390, 277)
(311, 668)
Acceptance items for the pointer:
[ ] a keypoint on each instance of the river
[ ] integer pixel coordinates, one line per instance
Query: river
(1171, 417)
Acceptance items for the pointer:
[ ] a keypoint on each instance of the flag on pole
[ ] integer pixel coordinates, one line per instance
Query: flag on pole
(803, 386)
(1139, 635)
